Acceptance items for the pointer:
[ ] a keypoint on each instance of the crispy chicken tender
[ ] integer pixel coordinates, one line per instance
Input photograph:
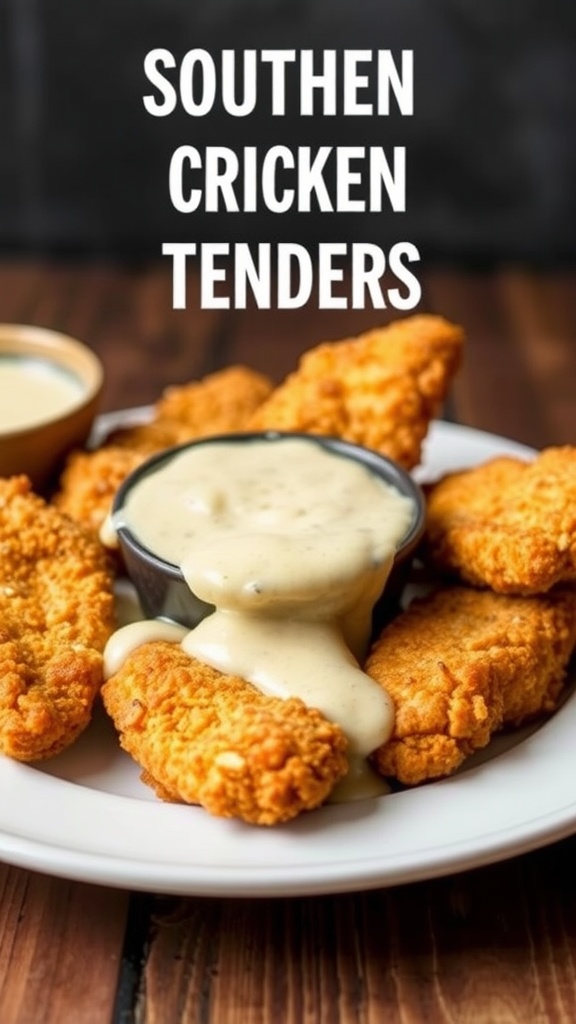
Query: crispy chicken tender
(508, 524)
(90, 481)
(223, 400)
(212, 739)
(380, 389)
(463, 663)
(56, 613)
(220, 403)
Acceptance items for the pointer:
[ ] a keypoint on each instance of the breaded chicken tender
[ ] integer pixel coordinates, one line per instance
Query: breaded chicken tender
(461, 664)
(56, 613)
(220, 403)
(212, 739)
(380, 389)
(90, 481)
(508, 524)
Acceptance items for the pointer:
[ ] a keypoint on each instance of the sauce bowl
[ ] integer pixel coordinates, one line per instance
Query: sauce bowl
(160, 584)
(36, 442)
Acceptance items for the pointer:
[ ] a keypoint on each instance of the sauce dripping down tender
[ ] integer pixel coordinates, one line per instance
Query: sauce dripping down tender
(292, 544)
(33, 391)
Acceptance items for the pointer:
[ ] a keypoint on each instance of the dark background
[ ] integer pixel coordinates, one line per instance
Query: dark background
(491, 149)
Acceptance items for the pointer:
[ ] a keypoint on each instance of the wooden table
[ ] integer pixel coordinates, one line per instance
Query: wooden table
(492, 946)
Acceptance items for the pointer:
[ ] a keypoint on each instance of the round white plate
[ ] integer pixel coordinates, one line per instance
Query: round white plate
(85, 814)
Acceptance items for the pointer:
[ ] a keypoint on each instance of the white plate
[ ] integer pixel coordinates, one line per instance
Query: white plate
(86, 815)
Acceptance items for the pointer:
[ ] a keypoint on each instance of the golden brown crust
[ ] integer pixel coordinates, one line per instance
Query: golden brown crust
(56, 613)
(380, 389)
(221, 402)
(461, 664)
(508, 524)
(215, 740)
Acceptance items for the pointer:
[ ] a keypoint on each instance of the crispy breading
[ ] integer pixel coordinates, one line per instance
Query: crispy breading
(90, 481)
(380, 389)
(461, 664)
(508, 524)
(56, 613)
(220, 403)
(145, 439)
(212, 739)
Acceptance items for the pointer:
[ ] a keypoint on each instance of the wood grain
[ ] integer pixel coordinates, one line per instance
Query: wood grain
(124, 314)
(60, 949)
(481, 947)
(519, 372)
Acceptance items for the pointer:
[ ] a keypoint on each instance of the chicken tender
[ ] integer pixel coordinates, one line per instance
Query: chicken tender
(380, 389)
(508, 524)
(220, 403)
(461, 664)
(90, 481)
(212, 739)
(56, 613)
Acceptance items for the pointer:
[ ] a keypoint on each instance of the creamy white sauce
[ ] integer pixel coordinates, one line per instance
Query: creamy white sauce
(131, 636)
(293, 657)
(293, 545)
(33, 391)
(107, 533)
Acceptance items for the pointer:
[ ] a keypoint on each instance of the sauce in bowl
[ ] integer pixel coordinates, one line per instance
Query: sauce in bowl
(291, 543)
(50, 387)
(34, 390)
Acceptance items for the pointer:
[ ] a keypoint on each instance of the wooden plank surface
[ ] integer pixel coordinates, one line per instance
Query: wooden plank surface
(492, 946)
(519, 372)
(496, 946)
(60, 949)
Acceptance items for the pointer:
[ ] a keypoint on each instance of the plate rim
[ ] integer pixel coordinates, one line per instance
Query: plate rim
(59, 849)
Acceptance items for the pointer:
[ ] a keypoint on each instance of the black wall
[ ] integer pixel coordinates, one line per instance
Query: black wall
(491, 148)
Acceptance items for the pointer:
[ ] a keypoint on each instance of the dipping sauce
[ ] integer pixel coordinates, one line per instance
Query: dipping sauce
(292, 543)
(33, 391)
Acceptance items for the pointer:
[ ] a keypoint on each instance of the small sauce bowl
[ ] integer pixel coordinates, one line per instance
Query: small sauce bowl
(160, 584)
(35, 443)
